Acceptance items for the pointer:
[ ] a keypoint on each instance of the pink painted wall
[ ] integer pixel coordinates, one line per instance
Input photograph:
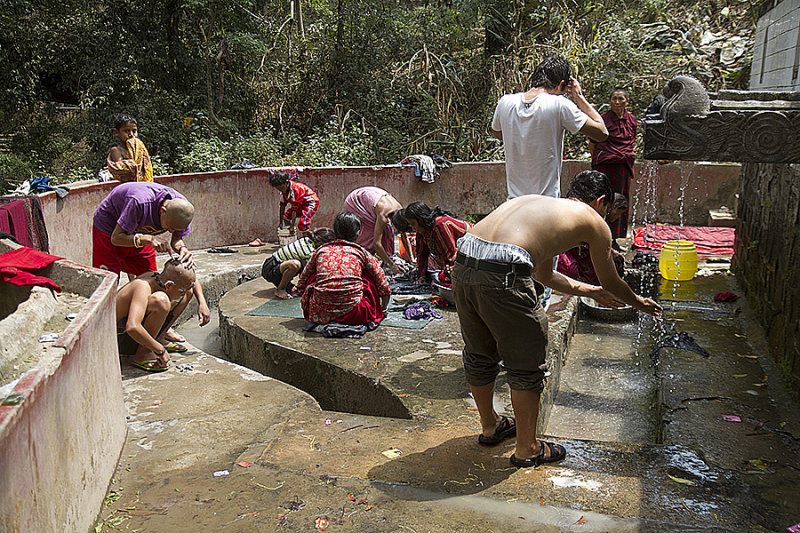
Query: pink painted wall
(60, 446)
(236, 206)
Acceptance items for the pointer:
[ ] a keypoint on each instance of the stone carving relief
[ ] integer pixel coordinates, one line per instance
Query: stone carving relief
(752, 126)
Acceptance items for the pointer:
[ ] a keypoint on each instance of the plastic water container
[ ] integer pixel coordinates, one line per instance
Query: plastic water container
(285, 236)
(678, 261)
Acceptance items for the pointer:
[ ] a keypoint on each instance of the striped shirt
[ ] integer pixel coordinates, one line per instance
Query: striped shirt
(440, 242)
(301, 249)
(502, 252)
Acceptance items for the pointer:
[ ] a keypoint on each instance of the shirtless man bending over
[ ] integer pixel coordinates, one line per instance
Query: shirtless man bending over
(146, 307)
(499, 304)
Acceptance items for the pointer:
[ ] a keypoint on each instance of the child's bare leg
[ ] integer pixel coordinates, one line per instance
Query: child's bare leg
(177, 309)
(157, 309)
(289, 269)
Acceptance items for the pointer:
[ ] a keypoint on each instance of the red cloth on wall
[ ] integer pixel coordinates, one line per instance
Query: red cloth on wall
(22, 217)
(16, 264)
(13, 220)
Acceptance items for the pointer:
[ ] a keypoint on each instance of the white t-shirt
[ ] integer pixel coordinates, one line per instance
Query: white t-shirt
(533, 140)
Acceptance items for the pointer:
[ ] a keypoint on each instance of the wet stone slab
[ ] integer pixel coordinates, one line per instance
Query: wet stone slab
(392, 372)
(421, 468)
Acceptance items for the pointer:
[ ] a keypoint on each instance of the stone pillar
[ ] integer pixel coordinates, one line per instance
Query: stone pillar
(767, 257)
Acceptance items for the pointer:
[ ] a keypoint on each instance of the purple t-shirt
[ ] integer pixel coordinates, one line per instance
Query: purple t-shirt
(135, 207)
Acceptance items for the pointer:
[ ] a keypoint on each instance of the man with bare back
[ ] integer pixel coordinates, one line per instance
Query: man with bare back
(499, 302)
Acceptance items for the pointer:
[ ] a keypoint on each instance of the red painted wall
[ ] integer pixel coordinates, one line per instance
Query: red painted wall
(236, 206)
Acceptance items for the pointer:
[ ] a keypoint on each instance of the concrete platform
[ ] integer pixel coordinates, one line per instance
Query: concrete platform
(420, 468)
(394, 372)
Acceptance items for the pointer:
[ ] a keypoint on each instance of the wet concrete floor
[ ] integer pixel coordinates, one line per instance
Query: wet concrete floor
(649, 449)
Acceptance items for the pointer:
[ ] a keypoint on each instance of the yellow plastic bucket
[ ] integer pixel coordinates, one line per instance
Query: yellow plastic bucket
(678, 261)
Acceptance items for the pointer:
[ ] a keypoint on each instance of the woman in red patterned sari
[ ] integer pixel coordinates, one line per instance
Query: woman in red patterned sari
(342, 281)
(437, 233)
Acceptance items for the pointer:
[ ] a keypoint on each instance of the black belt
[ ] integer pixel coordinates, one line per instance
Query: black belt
(493, 266)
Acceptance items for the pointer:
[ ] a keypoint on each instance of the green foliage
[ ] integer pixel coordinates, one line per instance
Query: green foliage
(362, 82)
(13, 170)
(205, 155)
(262, 149)
(334, 145)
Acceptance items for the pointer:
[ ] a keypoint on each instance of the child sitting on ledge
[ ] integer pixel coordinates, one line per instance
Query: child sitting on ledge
(288, 260)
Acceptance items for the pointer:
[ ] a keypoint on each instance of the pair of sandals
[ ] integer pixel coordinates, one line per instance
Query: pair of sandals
(508, 428)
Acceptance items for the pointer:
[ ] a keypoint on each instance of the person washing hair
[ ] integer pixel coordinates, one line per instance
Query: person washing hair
(375, 209)
(499, 306)
(532, 125)
(146, 308)
(124, 235)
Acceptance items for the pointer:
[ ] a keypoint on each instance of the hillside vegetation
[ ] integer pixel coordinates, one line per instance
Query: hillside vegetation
(325, 82)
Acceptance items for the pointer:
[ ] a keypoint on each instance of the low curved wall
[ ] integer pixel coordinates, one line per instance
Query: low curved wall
(59, 446)
(236, 206)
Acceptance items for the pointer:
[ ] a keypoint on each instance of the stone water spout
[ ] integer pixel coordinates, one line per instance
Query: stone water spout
(735, 126)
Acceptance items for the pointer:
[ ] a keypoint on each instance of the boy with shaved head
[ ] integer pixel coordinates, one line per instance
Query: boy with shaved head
(127, 221)
(125, 226)
(146, 307)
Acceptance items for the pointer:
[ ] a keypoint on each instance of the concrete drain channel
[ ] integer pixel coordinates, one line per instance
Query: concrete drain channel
(335, 388)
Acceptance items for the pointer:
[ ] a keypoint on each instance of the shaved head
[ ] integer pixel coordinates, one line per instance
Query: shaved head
(177, 213)
(176, 271)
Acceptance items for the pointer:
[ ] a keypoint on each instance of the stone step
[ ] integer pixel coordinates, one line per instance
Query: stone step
(721, 218)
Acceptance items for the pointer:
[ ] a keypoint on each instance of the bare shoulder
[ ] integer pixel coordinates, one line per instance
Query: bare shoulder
(386, 204)
(136, 288)
(116, 153)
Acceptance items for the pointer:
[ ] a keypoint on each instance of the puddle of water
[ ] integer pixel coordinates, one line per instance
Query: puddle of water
(520, 516)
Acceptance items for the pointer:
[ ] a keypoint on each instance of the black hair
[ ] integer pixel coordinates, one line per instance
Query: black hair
(590, 185)
(171, 262)
(399, 221)
(322, 235)
(346, 226)
(551, 72)
(620, 201)
(122, 119)
(622, 90)
(424, 215)
(279, 177)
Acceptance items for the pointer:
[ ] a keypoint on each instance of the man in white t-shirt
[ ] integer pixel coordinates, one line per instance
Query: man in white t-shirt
(532, 125)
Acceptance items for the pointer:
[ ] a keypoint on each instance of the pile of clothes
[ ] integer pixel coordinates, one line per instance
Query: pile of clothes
(426, 166)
